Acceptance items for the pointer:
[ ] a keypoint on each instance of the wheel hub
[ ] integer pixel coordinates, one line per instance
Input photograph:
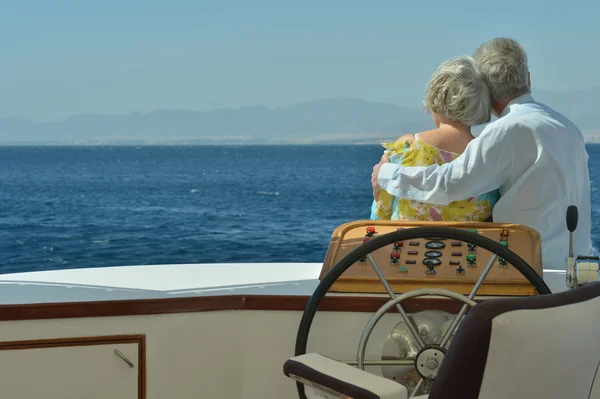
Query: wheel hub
(400, 345)
(429, 360)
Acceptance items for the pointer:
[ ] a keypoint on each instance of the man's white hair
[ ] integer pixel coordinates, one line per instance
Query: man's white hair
(457, 91)
(503, 64)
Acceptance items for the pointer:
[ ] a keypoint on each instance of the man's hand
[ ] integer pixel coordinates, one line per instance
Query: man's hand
(374, 179)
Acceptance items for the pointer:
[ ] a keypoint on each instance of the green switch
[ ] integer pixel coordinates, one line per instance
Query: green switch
(504, 243)
(471, 258)
(474, 231)
(403, 269)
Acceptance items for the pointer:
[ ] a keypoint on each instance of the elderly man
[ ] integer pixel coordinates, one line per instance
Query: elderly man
(535, 156)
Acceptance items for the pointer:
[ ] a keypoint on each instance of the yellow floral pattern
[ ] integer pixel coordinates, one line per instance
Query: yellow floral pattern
(413, 152)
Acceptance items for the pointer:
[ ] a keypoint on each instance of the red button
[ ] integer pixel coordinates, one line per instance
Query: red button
(399, 243)
(370, 230)
(395, 255)
(366, 239)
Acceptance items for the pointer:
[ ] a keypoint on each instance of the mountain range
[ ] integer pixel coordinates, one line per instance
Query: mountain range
(335, 120)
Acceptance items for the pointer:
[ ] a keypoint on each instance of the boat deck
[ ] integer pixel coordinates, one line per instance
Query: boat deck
(172, 281)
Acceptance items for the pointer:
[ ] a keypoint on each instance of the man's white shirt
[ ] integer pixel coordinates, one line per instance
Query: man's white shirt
(537, 159)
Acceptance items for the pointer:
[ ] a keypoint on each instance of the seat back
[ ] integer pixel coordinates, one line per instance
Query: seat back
(540, 347)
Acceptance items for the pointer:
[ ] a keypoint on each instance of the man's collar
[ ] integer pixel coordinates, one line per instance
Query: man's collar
(525, 98)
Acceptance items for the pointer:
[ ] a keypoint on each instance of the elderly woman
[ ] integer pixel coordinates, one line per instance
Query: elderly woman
(457, 98)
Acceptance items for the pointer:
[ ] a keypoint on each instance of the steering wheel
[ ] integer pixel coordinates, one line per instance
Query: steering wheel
(429, 357)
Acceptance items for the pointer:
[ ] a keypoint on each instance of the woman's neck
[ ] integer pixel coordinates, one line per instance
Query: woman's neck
(455, 126)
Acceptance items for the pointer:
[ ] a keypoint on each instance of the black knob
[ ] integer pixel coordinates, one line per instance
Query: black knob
(572, 217)
(430, 266)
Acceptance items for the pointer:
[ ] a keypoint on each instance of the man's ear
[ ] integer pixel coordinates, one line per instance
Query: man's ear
(529, 79)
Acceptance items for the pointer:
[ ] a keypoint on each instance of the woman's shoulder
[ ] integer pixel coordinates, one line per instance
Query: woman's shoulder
(402, 142)
(445, 140)
(408, 150)
(400, 146)
(426, 148)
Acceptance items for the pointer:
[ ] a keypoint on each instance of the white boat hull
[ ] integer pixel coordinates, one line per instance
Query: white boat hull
(202, 330)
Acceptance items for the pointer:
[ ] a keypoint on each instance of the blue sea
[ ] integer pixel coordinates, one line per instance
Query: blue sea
(75, 207)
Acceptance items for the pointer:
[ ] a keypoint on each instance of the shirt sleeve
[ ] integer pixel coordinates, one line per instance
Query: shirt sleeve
(483, 167)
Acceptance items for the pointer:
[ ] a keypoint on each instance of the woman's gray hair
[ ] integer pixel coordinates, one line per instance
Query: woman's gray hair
(503, 64)
(457, 91)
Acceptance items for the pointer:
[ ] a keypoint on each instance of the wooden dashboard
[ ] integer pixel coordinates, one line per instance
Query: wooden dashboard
(453, 264)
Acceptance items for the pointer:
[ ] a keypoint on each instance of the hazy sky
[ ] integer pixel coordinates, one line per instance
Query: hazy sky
(63, 57)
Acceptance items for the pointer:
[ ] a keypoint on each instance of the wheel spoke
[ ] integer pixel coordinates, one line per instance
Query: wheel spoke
(448, 334)
(362, 344)
(417, 388)
(483, 275)
(450, 331)
(403, 362)
(411, 327)
(410, 324)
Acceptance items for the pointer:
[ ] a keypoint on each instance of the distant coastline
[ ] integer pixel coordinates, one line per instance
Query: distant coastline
(343, 140)
(316, 122)
(593, 138)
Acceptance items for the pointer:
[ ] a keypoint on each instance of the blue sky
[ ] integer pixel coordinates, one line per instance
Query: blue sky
(63, 57)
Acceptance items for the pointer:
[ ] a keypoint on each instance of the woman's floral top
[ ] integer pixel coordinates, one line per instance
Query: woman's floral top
(413, 152)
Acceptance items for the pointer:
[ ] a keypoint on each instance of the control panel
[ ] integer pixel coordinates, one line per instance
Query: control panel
(434, 262)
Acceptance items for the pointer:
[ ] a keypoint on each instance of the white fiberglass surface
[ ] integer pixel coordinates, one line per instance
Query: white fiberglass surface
(160, 281)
